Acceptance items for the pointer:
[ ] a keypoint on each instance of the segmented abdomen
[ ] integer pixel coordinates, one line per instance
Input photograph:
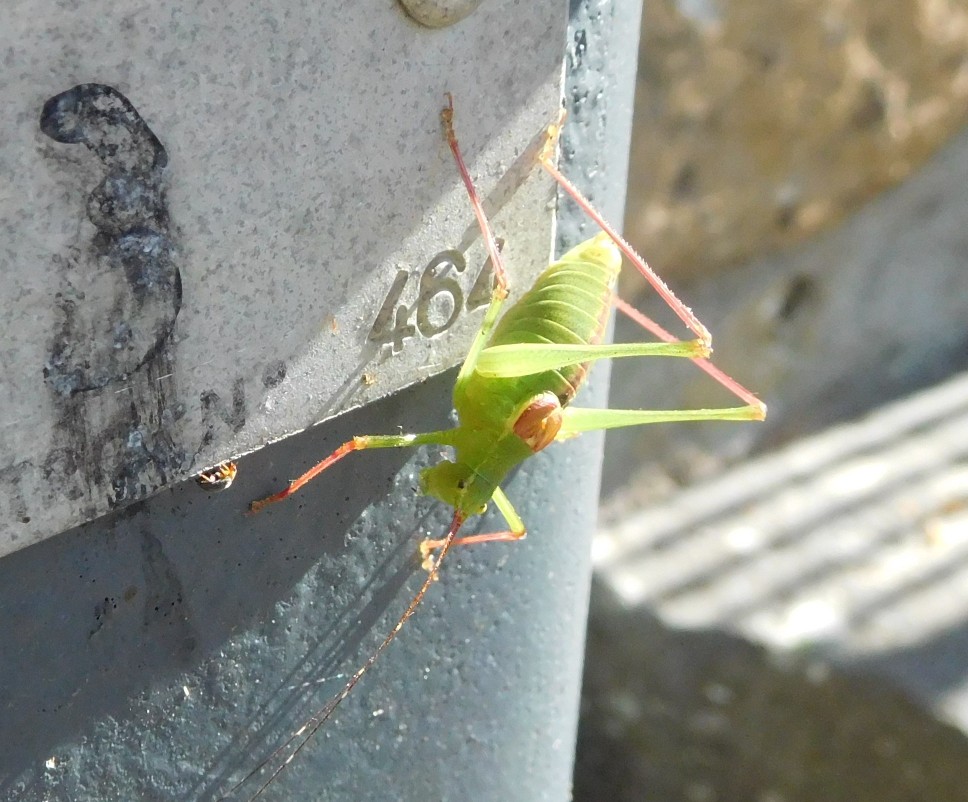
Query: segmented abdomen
(568, 303)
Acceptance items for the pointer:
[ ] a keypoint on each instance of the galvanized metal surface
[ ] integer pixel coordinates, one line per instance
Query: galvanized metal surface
(163, 655)
(161, 651)
(206, 211)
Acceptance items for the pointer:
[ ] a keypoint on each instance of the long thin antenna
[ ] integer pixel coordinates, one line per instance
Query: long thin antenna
(305, 733)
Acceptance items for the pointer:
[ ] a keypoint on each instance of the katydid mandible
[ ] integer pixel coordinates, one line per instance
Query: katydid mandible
(514, 390)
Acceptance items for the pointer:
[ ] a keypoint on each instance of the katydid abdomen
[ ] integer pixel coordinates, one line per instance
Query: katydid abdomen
(569, 304)
(506, 419)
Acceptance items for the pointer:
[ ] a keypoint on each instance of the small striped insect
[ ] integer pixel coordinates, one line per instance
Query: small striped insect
(514, 391)
(218, 477)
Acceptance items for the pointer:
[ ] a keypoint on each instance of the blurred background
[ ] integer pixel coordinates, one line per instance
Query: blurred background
(781, 609)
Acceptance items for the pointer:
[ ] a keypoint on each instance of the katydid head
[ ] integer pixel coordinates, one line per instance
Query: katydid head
(458, 486)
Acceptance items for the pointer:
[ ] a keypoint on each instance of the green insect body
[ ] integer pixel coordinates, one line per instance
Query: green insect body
(506, 419)
(514, 391)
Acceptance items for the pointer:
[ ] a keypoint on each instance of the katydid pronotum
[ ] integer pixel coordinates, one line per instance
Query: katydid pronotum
(514, 390)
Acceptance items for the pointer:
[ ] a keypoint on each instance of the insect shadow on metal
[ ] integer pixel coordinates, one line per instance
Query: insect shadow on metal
(513, 394)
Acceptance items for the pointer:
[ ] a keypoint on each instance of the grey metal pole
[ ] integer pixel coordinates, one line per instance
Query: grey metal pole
(214, 635)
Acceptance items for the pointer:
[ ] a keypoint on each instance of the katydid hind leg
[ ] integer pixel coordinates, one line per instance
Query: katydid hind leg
(685, 314)
(576, 420)
(524, 359)
(728, 382)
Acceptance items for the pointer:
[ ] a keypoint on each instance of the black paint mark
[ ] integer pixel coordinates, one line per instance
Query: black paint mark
(147, 455)
(273, 374)
(214, 407)
(100, 117)
(132, 293)
(109, 363)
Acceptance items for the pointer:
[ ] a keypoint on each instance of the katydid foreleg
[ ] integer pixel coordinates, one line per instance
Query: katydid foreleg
(360, 443)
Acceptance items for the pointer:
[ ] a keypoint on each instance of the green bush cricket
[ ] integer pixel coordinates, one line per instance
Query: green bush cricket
(514, 390)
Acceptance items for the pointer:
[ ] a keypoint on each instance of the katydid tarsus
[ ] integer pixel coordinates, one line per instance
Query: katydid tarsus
(513, 392)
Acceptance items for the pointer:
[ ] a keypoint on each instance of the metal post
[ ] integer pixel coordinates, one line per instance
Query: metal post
(160, 652)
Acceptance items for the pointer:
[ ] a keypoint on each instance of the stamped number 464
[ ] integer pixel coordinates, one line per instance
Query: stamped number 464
(395, 322)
